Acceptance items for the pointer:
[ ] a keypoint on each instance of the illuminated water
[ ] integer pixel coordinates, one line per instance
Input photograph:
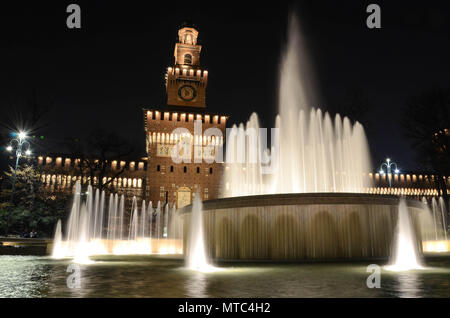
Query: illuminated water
(97, 228)
(149, 276)
(315, 152)
(433, 226)
(196, 257)
(406, 254)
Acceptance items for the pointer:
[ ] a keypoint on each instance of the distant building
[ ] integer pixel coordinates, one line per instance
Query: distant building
(171, 137)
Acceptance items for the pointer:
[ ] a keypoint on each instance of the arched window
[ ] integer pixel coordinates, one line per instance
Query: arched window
(188, 39)
(187, 59)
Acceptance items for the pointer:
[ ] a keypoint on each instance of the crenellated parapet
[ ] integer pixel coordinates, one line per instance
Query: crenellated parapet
(65, 163)
(59, 173)
(152, 116)
(409, 184)
(161, 128)
(197, 75)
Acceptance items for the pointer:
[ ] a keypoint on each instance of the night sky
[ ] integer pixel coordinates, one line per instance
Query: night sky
(104, 74)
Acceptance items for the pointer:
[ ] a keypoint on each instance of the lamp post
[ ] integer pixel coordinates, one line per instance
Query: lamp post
(21, 143)
(388, 165)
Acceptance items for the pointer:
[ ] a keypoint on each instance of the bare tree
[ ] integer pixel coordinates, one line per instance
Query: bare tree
(97, 151)
(426, 122)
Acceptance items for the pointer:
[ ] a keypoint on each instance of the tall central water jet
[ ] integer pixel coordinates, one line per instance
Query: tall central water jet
(310, 152)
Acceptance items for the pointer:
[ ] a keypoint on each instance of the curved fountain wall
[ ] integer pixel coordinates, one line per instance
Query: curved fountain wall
(313, 226)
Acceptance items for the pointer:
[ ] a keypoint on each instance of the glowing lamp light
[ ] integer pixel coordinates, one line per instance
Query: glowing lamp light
(381, 172)
(28, 152)
(9, 148)
(22, 135)
(397, 171)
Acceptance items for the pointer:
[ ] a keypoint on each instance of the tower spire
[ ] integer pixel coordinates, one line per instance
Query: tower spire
(186, 80)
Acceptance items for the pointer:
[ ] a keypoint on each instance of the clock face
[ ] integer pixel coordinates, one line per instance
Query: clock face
(187, 92)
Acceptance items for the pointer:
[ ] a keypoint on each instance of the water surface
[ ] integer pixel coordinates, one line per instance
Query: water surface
(148, 276)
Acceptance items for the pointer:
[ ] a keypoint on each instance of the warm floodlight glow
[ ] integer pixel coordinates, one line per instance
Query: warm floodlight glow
(406, 256)
(84, 236)
(436, 246)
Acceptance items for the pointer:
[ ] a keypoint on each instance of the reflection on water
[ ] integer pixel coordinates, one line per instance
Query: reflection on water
(196, 285)
(147, 276)
(409, 285)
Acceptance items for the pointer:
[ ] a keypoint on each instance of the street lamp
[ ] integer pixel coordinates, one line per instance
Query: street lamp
(21, 143)
(388, 165)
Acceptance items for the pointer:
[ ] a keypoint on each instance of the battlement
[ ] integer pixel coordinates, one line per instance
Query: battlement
(405, 179)
(172, 139)
(187, 74)
(156, 115)
(67, 162)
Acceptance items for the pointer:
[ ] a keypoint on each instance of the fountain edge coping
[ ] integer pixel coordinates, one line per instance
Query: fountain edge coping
(302, 199)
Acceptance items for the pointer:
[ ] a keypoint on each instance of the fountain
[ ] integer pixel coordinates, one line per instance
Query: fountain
(304, 197)
(433, 226)
(58, 251)
(123, 234)
(316, 153)
(196, 257)
(406, 254)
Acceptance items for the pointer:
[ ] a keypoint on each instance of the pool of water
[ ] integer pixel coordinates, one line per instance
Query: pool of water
(147, 276)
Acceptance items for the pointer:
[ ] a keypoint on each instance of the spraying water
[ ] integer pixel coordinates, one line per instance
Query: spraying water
(197, 258)
(123, 234)
(315, 152)
(406, 255)
(433, 226)
(58, 251)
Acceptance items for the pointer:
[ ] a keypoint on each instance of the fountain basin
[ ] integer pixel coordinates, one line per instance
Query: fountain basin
(302, 226)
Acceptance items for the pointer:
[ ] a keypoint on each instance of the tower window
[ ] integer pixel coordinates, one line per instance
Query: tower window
(171, 168)
(198, 169)
(210, 170)
(158, 168)
(187, 59)
(184, 169)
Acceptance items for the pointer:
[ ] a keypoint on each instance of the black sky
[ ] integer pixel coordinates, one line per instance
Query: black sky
(102, 75)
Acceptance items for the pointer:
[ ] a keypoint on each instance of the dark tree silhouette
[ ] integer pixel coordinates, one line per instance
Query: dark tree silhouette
(97, 151)
(426, 122)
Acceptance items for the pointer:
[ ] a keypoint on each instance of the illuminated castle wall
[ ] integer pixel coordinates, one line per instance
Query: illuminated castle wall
(158, 177)
(178, 182)
(60, 173)
(197, 173)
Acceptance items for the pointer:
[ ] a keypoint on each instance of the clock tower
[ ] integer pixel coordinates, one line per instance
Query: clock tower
(183, 138)
(186, 81)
